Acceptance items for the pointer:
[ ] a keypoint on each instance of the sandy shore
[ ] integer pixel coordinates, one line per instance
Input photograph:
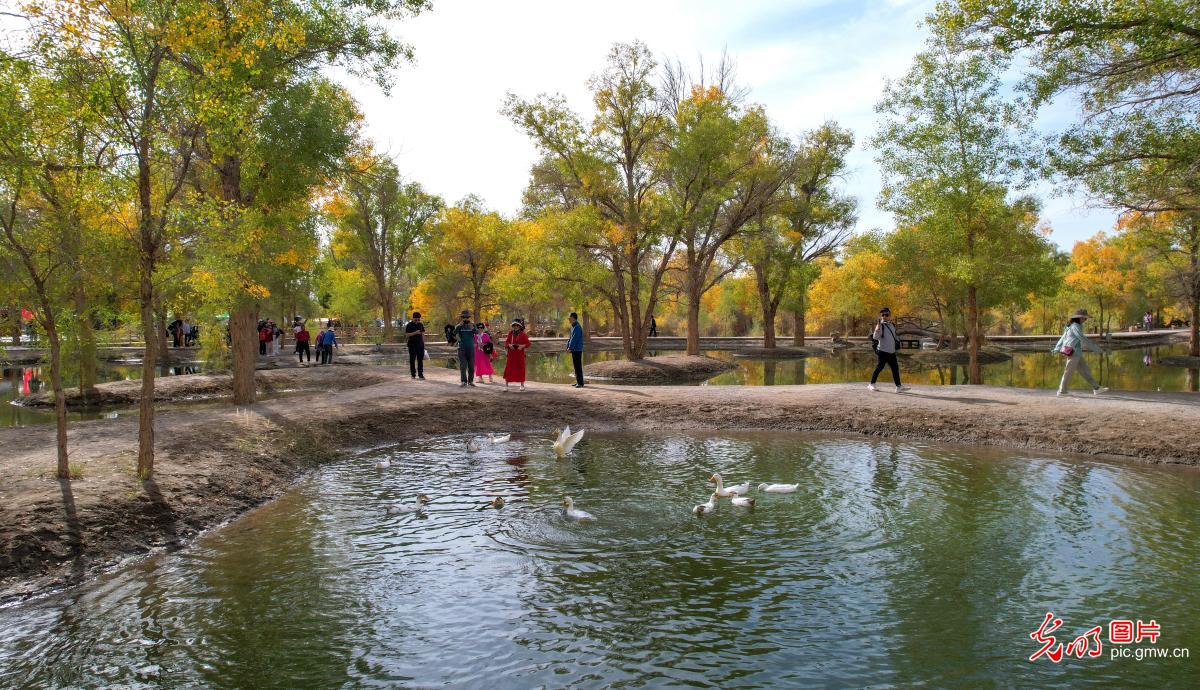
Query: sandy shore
(215, 461)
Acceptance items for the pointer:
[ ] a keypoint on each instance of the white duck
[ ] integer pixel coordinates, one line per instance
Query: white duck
(383, 464)
(742, 501)
(724, 491)
(497, 438)
(566, 441)
(473, 446)
(570, 511)
(415, 506)
(778, 488)
(705, 508)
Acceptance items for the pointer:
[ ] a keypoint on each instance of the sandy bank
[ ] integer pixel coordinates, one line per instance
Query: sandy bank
(664, 369)
(215, 462)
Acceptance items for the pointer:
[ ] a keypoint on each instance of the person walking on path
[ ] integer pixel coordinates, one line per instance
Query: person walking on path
(465, 334)
(416, 346)
(264, 335)
(885, 343)
(515, 344)
(653, 328)
(575, 347)
(325, 344)
(302, 351)
(449, 331)
(1148, 320)
(485, 353)
(276, 339)
(1071, 345)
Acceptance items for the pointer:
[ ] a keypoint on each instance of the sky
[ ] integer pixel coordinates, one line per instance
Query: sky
(806, 61)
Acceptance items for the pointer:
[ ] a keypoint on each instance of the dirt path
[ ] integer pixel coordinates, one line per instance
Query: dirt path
(216, 461)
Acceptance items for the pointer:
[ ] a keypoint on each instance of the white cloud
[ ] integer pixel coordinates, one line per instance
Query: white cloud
(806, 61)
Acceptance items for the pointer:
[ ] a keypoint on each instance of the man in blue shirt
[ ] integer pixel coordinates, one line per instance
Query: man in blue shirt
(327, 341)
(575, 347)
(465, 332)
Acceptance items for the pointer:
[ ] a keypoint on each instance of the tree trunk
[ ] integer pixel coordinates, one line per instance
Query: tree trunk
(87, 348)
(15, 333)
(388, 309)
(1194, 278)
(693, 323)
(160, 320)
(60, 400)
(975, 373)
(768, 308)
(798, 321)
(145, 465)
(244, 341)
(585, 321)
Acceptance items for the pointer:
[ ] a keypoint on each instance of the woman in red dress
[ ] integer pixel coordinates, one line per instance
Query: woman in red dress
(515, 345)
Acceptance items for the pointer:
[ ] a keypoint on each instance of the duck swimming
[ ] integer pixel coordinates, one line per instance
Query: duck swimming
(566, 441)
(415, 506)
(778, 488)
(705, 508)
(497, 438)
(742, 501)
(570, 511)
(473, 446)
(725, 491)
(383, 464)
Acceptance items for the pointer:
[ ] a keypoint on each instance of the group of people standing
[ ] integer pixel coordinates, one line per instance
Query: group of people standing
(325, 342)
(477, 350)
(183, 333)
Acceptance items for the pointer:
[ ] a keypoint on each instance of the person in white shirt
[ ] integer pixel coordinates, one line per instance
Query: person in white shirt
(885, 344)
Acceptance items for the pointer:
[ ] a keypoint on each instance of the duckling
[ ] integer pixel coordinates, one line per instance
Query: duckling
(566, 441)
(705, 508)
(473, 446)
(742, 501)
(497, 438)
(383, 464)
(570, 511)
(415, 506)
(778, 488)
(497, 502)
(725, 491)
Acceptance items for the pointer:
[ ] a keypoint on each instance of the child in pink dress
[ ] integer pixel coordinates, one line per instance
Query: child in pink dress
(484, 353)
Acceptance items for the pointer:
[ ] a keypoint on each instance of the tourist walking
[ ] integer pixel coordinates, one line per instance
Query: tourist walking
(575, 347)
(485, 353)
(1071, 345)
(327, 341)
(264, 336)
(449, 331)
(1147, 320)
(187, 333)
(276, 339)
(415, 330)
(515, 345)
(653, 328)
(885, 343)
(176, 331)
(465, 335)
(302, 338)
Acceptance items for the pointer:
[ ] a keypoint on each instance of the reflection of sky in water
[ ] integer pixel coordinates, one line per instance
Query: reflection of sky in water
(893, 564)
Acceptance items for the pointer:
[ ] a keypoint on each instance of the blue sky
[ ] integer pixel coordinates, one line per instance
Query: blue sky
(807, 61)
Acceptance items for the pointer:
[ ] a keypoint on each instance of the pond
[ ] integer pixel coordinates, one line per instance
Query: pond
(894, 564)
(1118, 369)
(22, 381)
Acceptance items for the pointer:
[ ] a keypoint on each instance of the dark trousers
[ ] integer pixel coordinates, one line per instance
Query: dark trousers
(416, 361)
(302, 351)
(262, 347)
(466, 365)
(577, 360)
(887, 359)
(325, 354)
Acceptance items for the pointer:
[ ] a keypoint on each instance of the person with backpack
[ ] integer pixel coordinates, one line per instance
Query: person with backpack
(415, 330)
(264, 337)
(1071, 345)
(485, 353)
(465, 334)
(885, 343)
(302, 337)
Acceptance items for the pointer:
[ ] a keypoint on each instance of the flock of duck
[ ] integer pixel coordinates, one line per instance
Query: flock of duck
(566, 441)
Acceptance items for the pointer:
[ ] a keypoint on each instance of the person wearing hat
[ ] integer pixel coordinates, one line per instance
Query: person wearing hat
(515, 345)
(415, 330)
(885, 343)
(1071, 345)
(575, 347)
(465, 333)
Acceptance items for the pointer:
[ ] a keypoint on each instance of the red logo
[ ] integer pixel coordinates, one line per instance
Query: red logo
(1088, 644)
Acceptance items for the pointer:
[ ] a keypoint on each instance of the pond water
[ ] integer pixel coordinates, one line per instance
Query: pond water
(22, 381)
(1119, 369)
(894, 564)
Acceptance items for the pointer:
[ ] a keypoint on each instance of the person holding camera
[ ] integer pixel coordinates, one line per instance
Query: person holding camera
(885, 343)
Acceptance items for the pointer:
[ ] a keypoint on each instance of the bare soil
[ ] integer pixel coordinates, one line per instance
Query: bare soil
(216, 461)
(663, 369)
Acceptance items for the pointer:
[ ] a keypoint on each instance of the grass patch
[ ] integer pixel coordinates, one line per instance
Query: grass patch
(75, 469)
